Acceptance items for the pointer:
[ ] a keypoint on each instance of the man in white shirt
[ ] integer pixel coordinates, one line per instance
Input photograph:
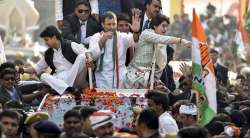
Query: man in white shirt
(158, 102)
(113, 45)
(65, 58)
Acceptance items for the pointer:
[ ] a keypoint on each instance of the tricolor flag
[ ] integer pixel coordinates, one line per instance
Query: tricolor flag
(241, 38)
(2, 53)
(204, 82)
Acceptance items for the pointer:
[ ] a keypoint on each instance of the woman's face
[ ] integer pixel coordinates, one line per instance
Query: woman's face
(162, 28)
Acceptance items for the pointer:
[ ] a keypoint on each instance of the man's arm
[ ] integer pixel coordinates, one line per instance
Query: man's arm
(37, 68)
(152, 37)
(32, 96)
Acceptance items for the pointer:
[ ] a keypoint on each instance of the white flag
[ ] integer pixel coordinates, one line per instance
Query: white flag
(2, 53)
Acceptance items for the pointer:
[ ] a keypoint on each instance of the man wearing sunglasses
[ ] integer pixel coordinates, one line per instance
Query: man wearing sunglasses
(9, 91)
(80, 25)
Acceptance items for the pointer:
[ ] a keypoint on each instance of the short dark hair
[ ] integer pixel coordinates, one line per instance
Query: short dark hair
(148, 2)
(72, 113)
(157, 20)
(238, 118)
(193, 132)
(50, 31)
(84, 2)
(222, 117)
(10, 114)
(215, 127)
(7, 65)
(109, 15)
(7, 68)
(86, 112)
(123, 17)
(7, 71)
(159, 98)
(246, 112)
(149, 118)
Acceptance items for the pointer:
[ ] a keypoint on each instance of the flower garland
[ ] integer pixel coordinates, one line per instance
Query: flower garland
(109, 98)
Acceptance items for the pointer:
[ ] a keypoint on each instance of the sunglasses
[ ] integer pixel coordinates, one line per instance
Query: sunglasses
(9, 78)
(83, 11)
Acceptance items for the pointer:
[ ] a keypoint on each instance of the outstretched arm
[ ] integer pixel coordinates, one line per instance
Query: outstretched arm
(152, 37)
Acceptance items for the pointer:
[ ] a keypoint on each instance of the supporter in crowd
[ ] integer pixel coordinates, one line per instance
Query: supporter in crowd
(188, 114)
(72, 124)
(85, 113)
(148, 124)
(9, 120)
(102, 123)
(158, 102)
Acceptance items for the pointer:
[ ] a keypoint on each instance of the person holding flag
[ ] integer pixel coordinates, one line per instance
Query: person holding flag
(204, 80)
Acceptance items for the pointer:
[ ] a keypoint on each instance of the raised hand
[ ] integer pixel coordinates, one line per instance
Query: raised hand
(185, 69)
(136, 20)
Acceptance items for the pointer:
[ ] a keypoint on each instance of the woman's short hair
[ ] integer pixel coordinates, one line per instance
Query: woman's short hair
(157, 20)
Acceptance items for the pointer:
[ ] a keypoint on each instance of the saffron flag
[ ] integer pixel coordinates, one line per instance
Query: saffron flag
(204, 82)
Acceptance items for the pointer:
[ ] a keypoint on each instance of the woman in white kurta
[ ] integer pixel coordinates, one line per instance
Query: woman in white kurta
(151, 49)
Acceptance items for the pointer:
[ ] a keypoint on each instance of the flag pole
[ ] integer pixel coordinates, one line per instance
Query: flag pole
(197, 100)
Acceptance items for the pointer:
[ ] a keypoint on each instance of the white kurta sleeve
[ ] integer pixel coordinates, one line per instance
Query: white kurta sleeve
(94, 6)
(149, 36)
(78, 48)
(130, 42)
(58, 10)
(94, 47)
(40, 66)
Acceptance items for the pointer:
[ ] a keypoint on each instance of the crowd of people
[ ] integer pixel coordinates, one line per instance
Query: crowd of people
(126, 45)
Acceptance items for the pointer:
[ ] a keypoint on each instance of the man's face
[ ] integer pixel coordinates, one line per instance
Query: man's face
(123, 26)
(87, 129)
(110, 25)
(214, 57)
(104, 131)
(153, 106)
(50, 41)
(82, 12)
(154, 8)
(162, 28)
(72, 126)
(8, 80)
(10, 126)
(185, 120)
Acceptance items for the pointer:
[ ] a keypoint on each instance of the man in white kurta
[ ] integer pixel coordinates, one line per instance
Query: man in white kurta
(66, 74)
(66, 59)
(104, 78)
(106, 74)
